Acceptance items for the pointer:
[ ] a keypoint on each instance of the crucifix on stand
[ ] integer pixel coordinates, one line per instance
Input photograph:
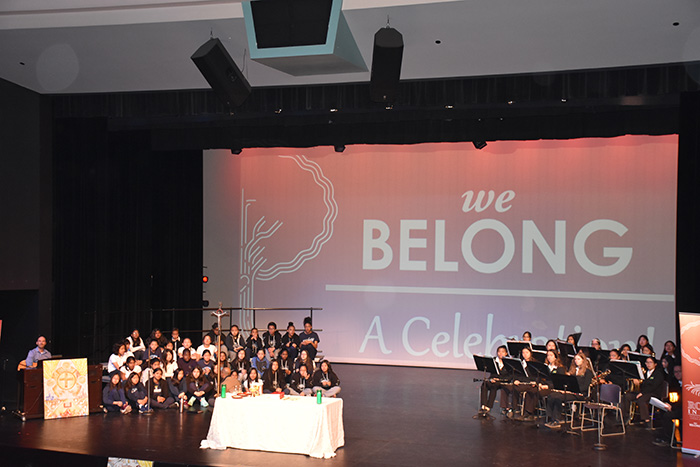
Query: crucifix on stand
(219, 313)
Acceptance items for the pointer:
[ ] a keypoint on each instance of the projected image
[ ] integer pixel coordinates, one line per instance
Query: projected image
(431, 253)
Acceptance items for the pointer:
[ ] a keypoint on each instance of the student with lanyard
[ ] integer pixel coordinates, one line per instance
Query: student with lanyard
(290, 341)
(309, 339)
(136, 393)
(38, 353)
(326, 381)
(113, 396)
(234, 342)
(260, 361)
(253, 344)
(301, 383)
(197, 388)
(158, 392)
(272, 340)
(651, 386)
(490, 386)
(286, 365)
(304, 360)
(241, 365)
(273, 378)
(175, 339)
(584, 375)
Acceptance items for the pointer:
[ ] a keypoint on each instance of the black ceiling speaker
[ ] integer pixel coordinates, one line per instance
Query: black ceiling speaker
(221, 73)
(386, 65)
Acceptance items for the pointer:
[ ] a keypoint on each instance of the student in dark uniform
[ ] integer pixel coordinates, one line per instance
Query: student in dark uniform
(272, 340)
(490, 387)
(651, 386)
(241, 365)
(274, 378)
(286, 365)
(309, 339)
(675, 409)
(301, 384)
(290, 341)
(253, 344)
(584, 375)
(158, 392)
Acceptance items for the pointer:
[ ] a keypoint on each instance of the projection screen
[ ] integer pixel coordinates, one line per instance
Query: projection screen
(428, 254)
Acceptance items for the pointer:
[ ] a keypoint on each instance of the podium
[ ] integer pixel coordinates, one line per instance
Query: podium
(30, 393)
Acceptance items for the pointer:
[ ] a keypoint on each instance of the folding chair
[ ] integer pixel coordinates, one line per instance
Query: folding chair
(610, 397)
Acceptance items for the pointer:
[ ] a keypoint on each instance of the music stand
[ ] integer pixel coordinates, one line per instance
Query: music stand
(539, 355)
(637, 357)
(566, 349)
(628, 370)
(515, 347)
(568, 384)
(515, 365)
(539, 347)
(537, 370)
(485, 364)
(577, 337)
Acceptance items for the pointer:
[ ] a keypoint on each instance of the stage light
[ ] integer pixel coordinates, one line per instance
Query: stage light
(205, 279)
(673, 397)
(479, 144)
(339, 147)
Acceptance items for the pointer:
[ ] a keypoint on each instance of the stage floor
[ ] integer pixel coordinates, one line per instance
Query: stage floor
(393, 416)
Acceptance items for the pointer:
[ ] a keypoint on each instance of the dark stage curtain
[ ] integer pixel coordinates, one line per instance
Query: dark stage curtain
(688, 230)
(127, 236)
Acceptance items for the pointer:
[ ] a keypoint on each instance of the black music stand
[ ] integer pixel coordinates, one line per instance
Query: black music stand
(515, 347)
(628, 370)
(577, 337)
(568, 384)
(637, 357)
(515, 365)
(598, 357)
(540, 372)
(566, 349)
(485, 364)
(539, 355)
(543, 348)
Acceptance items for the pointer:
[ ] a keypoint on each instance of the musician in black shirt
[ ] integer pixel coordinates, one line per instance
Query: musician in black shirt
(490, 387)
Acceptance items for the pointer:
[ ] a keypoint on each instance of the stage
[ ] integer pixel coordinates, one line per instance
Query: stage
(393, 416)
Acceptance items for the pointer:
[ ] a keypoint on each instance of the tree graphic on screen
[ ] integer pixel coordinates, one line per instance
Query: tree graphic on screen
(254, 264)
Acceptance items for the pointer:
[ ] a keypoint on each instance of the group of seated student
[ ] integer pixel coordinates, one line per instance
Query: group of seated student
(162, 373)
(591, 366)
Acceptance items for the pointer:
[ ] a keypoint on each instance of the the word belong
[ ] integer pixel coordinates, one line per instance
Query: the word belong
(413, 236)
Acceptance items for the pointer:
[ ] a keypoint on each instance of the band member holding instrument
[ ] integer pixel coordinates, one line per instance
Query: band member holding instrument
(584, 376)
(490, 387)
(651, 386)
(541, 388)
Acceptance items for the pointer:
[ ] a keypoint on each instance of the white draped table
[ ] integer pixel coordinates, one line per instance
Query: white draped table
(296, 425)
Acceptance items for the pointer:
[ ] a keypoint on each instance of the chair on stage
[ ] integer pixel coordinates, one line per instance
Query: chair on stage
(610, 398)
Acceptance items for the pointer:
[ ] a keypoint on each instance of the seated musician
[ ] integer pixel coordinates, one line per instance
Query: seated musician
(584, 375)
(651, 386)
(624, 348)
(675, 409)
(541, 388)
(38, 353)
(490, 386)
(619, 380)
(643, 341)
(523, 383)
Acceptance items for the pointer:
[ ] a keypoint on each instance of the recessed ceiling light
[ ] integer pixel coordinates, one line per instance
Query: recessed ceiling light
(438, 41)
(21, 63)
(676, 23)
(449, 106)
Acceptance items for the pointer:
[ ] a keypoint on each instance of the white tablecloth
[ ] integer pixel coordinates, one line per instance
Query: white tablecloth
(266, 423)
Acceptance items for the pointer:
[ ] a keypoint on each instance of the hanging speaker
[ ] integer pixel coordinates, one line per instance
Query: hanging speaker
(386, 65)
(221, 72)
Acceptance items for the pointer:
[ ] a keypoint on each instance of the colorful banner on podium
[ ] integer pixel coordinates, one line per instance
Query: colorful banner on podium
(65, 388)
(690, 342)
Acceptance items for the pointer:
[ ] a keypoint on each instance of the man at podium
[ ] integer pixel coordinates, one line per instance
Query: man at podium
(38, 353)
